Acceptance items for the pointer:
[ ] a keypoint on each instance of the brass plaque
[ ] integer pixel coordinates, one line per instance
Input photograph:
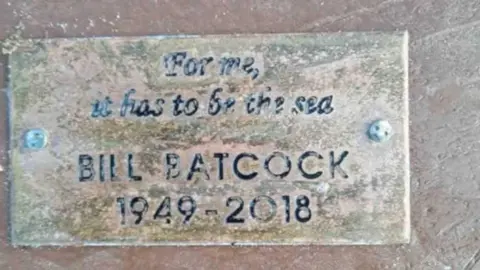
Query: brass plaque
(212, 140)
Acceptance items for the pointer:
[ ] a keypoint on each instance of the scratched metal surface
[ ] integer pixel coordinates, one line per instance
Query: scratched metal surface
(444, 130)
(364, 199)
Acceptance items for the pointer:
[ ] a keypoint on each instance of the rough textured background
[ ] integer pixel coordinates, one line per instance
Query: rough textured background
(444, 130)
(54, 82)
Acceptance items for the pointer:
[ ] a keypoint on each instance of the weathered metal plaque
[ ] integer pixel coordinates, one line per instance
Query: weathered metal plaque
(258, 139)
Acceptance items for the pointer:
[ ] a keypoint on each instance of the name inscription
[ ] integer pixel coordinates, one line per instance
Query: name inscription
(104, 168)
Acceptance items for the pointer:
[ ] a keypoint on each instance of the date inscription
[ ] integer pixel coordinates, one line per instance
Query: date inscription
(239, 209)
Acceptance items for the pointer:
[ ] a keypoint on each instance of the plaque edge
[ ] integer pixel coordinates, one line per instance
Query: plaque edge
(16, 242)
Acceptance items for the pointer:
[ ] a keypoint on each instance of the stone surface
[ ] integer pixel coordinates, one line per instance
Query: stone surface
(443, 129)
(325, 90)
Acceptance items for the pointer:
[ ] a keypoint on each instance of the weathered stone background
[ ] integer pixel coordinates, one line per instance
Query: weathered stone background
(444, 82)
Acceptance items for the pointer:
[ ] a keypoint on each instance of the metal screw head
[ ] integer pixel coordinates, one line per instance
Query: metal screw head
(380, 131)
(35, 139)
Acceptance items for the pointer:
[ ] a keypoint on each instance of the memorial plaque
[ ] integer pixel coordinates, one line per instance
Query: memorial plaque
(210, 140)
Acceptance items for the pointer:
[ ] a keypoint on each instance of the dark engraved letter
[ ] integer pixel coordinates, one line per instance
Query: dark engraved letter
(177, 110)
(191, 106)
(250, 101)
(312, 105)
(143, 109)
(325, 105)
(229, 104)
(197, 160)
(172, 162)
(203, 62)
(127, 103)
(235, 166)
(288, 163)
(190, 67)
(335, 165)
(159, 104)
(302, 158)
(279, 104)
(101, 108)
(101, 169)
(130, 169)
(220, 157)
(113, 174)
(300, 104)
(227, 64)
(263, 102)
(247, 67)
(97, 108)
(214, 106)
(85, 164)
(172, 60)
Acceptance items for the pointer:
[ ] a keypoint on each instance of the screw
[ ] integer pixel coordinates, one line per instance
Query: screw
(380, 131)
(35, 139)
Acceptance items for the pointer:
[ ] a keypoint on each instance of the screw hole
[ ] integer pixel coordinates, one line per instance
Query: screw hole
(377, 128)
